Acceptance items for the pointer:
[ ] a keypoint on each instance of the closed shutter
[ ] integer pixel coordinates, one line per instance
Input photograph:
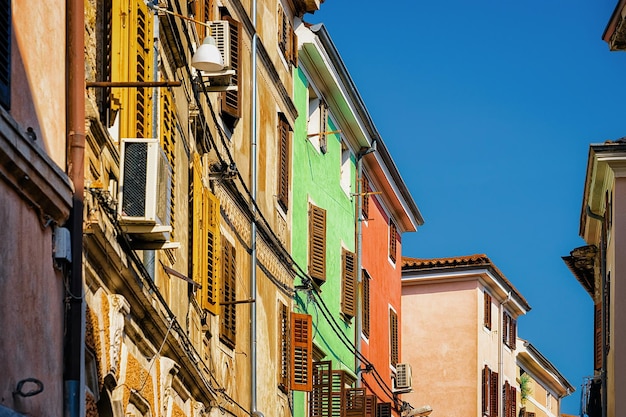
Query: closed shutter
(383, 410)
(366, 304)
(284, 165)
(597, 340)
(513, 401)
(284, 329)
(393, 237)
(231, 100)
(485, 391)
(513, 334)
(203, 14)
(5, 54)
(487, 310)
(393, 335)
(228, 319)
(348, 295)
(323, 126)
(365, 198)
(198, 261)
(302, 377)
(506, 399)
(505, 327)
(370, 406)
(317, 243)
(494, 394)
(168, 143)
(211, 224)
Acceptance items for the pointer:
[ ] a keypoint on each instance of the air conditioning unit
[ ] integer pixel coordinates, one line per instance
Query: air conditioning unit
(145, 188)
(221, 80)
(403, 376)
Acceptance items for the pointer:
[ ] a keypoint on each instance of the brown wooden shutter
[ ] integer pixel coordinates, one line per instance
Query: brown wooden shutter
(202, 14)
(493, 394)
(317, 243)
(301, 352)
(228, 319)
(370, 406)
(365, 198)
(393, 334)
(513, 334)
(513, 400)
(284, 167)
(597, 340)
(365, 317)
(320, 397)
(393, 237)
(485, 391)
(355, 402)
(383, 410)
(348, 294)
(506, 399)
(505, 327)
(487, 310)
(294, 46)
(231, 100)
(284, 329)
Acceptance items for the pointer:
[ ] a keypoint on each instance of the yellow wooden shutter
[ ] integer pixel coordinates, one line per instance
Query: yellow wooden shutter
(301, 352)
(198, 233)
(168, 143)
(212, 247)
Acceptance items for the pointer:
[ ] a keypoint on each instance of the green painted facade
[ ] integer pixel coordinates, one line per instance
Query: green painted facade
(316, 179)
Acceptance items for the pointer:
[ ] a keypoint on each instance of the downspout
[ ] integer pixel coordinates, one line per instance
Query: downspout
(359, 258)
(253, 232)
(500, 350)
(604, 311)
(74, 332)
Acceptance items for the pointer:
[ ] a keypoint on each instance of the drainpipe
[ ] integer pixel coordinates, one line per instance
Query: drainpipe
(604, 311)
(253, 231)
(359, 258)
(501, 344)
(74, 332)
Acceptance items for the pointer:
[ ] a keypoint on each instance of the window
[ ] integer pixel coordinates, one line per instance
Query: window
(231, 100)
(317, 122)
(228, 318)
(284, 163)
(509, 399)
(509, 330)
(366, 304)
(365, 198)
(168, 143)
(317, 243)
(132, 43)
(287, 39)
(284, 331)
(393, 238)
(490, 393)
(349, 284)
(205, 245)
(332, 395)
(393, 337)
(487, 310)
(302, 370)
(345, 171)
(203, 13)
(5, 54)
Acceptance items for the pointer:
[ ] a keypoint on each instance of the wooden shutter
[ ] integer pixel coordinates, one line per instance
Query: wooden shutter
(393, 237)
(513, 333)
(505, 327)
(317, 243)
(493, 394)
(302, 353)
(323, 126)
(513, 400)
(320, 397)
(393, 336)
(365, 317)
(284, 165)
(141, 62)
(203, 13)
(487, 310)
(211, 258)
(383, 410)
(198, 261)
(505, 399)
(228, 319)
(355, 402)
(282, 32)
(231, 100)
(597, 332)
(168, 143)
(365, 198)
(485, 391)
(284, 330)
(370, 406)
(5, 54)
(349, 284)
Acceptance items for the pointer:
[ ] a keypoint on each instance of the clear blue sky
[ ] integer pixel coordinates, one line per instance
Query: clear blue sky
(488, 108)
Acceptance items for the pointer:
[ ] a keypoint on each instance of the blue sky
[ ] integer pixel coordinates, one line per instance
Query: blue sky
(488, 108)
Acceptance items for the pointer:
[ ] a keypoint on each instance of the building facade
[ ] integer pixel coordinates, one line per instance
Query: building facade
(36, 193)
(597, 267)
(459, 333)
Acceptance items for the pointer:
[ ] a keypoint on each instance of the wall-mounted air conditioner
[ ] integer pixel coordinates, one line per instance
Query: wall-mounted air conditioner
(221, 80)
(403, 376)
(145, 183)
